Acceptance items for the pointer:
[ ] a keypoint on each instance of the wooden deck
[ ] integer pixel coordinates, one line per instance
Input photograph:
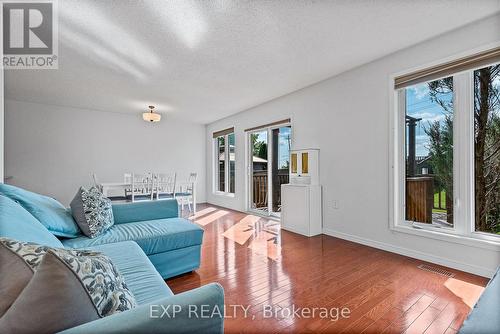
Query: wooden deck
(260, 265)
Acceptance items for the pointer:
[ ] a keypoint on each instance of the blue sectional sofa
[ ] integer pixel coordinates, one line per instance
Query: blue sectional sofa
(148, 243)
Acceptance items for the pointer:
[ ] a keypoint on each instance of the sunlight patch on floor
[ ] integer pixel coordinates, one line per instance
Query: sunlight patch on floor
(211, 218)
(266, 244)
(243, 230)
(468, 292)
(201, 213)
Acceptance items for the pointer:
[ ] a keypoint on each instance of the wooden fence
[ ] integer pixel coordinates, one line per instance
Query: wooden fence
(420, 192)
(419, 199)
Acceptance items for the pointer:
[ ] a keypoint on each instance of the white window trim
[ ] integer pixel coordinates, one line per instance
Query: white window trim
(215, 175)
(464, 229)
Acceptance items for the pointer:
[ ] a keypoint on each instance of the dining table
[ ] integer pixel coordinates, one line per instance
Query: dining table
(107, 187)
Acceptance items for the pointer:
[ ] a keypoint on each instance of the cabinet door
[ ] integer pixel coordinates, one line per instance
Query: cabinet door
(295, 207)
(305, 163)
(294, 163)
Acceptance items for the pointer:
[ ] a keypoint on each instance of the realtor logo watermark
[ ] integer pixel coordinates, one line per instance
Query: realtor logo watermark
(234, 311)
(30, 34)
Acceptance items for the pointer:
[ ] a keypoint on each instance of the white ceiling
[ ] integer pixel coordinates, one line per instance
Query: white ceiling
(205, 60)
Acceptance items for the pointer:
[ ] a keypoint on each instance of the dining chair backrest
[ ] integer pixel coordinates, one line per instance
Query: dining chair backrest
(186, 186)
(127, 178)
(142, 186)
(94, 179)
(165, 185)
(191, 181)
(95, 182)
(186, 191)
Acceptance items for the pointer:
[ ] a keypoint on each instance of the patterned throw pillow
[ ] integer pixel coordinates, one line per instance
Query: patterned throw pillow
(97, 279)
(100, 278)
(92, 211)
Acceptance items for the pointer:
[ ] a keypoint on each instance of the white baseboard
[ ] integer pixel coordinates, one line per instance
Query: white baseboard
(470, 268)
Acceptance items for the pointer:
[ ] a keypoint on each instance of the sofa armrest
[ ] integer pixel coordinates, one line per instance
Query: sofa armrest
(146, 210)
(151, 318)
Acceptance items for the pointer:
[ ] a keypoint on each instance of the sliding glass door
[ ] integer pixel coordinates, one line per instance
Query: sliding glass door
(259, 184)
(269, 163)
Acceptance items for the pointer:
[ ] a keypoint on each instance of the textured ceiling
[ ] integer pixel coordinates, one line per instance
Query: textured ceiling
(205, 60)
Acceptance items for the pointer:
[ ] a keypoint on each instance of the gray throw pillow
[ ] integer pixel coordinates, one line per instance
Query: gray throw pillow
(51, 302)
(18, 261)
(92, 211)
(68, 288)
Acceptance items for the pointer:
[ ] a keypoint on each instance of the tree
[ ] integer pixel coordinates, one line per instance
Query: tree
(487, 148)
(259, 147)
(441, 141)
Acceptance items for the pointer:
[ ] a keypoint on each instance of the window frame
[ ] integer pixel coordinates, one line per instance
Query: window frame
(216, 175)
(463, 231)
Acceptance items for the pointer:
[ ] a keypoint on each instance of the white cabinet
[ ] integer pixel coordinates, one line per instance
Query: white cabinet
(304, 167)
(301, 209)
(301, 199)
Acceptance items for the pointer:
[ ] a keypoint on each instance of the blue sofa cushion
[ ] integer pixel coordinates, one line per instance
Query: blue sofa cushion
(154, 236)
(147, 210)
(138, 272)
(17, 223)
(52, 214)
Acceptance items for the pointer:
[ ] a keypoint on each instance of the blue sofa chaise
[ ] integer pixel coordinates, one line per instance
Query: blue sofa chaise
(148, 243)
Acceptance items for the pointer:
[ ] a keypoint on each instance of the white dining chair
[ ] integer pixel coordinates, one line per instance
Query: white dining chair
(185, 195)
(127, 178)
(164, 185)
(141, 187)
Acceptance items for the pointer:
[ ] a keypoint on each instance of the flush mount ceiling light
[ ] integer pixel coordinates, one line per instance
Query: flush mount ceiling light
(151, 116)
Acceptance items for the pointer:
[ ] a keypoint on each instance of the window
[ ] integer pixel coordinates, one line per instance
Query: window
(429, 153)
(224, 177)
(221, 163)
(232, 166)
(447, 149)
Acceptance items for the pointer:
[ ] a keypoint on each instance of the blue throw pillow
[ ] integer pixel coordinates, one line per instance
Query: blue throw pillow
(17, 223)
(52, 214)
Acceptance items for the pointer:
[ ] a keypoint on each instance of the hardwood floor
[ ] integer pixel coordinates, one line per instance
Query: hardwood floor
(258, 265)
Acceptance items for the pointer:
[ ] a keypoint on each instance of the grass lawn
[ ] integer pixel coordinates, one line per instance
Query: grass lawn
(443, 200)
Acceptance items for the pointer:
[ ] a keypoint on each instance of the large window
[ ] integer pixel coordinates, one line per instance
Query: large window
(221, 163)
(224, 176)
(429, 153)
(447, 148)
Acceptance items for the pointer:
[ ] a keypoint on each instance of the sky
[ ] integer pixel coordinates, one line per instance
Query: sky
(284, 153)
(419, 105)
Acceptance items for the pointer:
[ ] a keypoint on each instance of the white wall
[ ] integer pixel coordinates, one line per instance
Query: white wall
(53, 150)
(1, 104)
(347, 117)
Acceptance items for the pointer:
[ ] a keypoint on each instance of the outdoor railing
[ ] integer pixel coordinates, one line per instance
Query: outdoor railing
(260, 187)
